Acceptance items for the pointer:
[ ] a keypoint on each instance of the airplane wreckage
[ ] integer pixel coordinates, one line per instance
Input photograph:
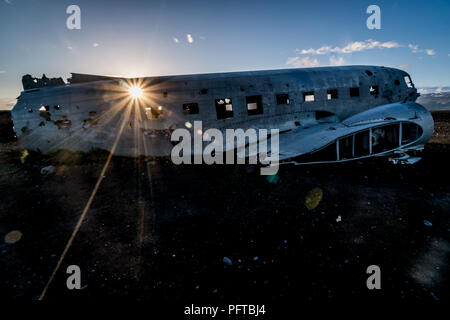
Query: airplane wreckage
(324, 115)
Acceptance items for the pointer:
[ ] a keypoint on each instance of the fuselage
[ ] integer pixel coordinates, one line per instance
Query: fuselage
(93, 112)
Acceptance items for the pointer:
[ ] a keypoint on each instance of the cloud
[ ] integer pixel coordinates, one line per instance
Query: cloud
(404, 66)
(355, 46)
(334, 61)
(70, 48)
(7, 1)
(175, 40)
(416, 49)
(2, 71)
(428, 90)
(95, 44)
(298, 62)
(202, 38)
(189, 38)
(321, 50)
(7, 103)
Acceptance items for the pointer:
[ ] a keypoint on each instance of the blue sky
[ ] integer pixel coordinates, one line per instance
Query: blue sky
(145, 38)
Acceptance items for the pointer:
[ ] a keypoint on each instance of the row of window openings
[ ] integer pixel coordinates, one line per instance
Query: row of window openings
(224, 107)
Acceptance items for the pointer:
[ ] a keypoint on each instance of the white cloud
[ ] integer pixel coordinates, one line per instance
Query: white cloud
(428, 90)
(189, 38)
(95, 44)
(7, 103)
(2, 71)
(334, 61)
(70, 48)
(175, 40)
(321, 50)
(298, 62)
(414, 48)
(404, 66)
(202, 38)
(355, 46)
(7, 1)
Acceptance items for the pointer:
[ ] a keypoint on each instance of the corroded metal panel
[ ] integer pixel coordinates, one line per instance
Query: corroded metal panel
(97, 111)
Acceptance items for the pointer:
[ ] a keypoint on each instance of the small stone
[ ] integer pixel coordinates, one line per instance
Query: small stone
(227, 261)
(13, 236)
(48, 170)
(313, 198)
(434, 296)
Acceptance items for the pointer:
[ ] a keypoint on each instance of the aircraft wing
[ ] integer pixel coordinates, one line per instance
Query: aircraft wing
(306, 140)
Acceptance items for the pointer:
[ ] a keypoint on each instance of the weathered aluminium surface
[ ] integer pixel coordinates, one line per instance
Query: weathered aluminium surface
(325, 114)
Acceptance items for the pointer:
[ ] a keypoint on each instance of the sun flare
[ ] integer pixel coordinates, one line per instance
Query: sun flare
(135, 92)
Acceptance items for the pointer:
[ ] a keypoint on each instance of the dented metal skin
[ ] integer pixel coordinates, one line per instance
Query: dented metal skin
(93, 112)
(398, 115)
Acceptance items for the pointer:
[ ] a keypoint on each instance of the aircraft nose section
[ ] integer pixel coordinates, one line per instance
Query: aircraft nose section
(426, 122)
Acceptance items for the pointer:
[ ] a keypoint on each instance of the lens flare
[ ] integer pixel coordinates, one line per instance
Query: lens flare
(135, 92)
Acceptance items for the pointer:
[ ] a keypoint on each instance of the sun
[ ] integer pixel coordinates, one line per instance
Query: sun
(135, 92)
